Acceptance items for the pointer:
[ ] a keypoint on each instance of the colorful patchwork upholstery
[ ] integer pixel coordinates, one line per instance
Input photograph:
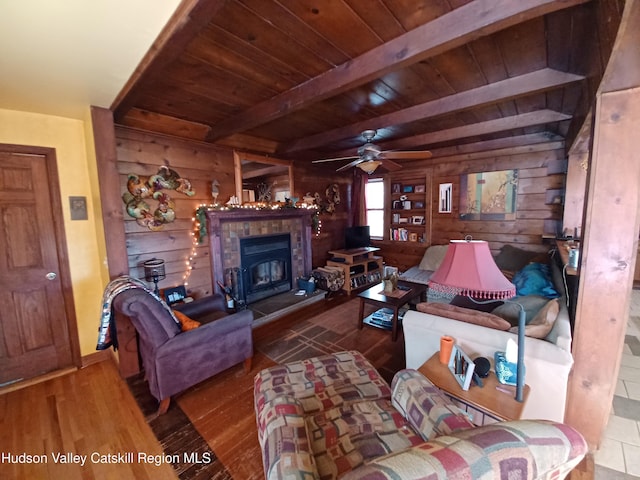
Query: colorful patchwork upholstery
(428, 410)
(334, 417)
(522, 449)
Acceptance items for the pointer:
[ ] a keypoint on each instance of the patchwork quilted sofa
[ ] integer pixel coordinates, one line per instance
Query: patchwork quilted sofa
(333, 416)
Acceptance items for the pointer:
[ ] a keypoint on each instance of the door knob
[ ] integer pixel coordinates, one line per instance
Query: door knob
(51, 276)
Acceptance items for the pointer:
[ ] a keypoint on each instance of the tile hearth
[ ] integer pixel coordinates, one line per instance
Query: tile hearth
(272, 308)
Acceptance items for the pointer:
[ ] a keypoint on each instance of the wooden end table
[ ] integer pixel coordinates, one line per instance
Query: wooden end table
(376, 296)
(493, 399)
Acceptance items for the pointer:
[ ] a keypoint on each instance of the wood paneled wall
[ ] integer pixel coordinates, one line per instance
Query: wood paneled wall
(541, 173)
(312, 179)
(142, 154)
(541, 177)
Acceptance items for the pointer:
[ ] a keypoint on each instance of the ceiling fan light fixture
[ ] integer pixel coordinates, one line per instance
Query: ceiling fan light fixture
(369, 166)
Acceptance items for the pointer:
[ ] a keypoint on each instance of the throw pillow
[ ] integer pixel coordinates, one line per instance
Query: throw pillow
(479, 305)
(186, 323)
(535, 279)
(543, 322)
(510, 310)
(512, 259)
(464, 315)
(433, 257)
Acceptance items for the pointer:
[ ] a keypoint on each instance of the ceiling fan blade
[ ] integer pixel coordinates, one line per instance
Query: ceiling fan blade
(408, 155)
(334, 159)
(390, 165)
(349, 165)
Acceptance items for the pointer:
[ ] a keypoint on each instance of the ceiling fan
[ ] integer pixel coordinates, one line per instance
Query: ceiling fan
(370, 156)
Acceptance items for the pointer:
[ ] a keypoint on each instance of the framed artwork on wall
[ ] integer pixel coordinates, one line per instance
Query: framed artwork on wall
(444, 203)
(489, 195)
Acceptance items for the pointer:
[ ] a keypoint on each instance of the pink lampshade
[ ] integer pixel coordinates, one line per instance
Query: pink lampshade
(468, 269)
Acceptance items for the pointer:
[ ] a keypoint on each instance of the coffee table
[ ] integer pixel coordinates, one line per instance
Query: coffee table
(375, 295)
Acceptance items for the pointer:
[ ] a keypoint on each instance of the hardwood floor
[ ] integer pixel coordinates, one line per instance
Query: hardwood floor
(89, 412)
(92, 410)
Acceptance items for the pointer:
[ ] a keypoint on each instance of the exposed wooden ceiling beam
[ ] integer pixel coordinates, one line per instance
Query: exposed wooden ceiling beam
(529, 143)
(508, 89)
(191, 17)
(464, 24)
(520, 141)
(538, 117)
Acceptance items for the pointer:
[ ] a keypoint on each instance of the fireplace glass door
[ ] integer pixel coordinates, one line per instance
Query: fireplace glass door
(266, 266)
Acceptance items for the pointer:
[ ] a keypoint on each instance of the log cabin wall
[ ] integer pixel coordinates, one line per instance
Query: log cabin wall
(312, 179)
(142, 154)
(541, 177)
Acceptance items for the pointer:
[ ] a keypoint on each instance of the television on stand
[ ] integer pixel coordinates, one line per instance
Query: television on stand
(357, 237)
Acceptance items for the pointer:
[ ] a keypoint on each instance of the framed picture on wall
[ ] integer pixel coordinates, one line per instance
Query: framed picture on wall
(418, 204)
(444, 202)
(489, 195)
(407, 189)
(419, 189)
(396, 188)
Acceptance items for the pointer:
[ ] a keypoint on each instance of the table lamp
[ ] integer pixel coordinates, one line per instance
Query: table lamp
(154, 272)
(468, 268)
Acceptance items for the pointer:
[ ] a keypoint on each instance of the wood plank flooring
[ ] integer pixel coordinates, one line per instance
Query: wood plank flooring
(89, 412)
(92, 410)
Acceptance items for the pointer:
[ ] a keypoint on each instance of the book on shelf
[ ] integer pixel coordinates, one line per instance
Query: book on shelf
(399, 234)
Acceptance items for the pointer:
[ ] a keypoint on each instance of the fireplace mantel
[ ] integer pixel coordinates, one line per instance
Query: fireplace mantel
(226, 227)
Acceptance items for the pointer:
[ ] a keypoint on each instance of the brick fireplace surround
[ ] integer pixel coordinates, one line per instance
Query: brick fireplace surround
(226, 227)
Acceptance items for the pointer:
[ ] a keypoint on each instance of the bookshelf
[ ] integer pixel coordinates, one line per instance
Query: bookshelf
(408, 206)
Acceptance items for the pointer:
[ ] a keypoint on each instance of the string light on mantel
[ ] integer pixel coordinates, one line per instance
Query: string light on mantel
(199, 229)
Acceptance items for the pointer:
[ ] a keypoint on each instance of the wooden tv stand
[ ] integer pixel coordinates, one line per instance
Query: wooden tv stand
(361, 267)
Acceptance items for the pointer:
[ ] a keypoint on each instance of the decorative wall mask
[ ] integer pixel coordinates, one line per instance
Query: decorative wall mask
(140, 191)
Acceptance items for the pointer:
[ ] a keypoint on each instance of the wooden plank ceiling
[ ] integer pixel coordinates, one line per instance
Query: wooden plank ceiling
(301, 79)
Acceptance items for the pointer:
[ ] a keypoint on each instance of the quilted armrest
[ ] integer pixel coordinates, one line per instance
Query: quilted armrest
(527, 449)
(426, 408)
(283, 437)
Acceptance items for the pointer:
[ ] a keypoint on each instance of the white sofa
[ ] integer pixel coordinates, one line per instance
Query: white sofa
(548, 361)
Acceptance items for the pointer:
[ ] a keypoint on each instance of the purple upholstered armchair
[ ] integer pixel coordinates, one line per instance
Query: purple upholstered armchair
(174, 360)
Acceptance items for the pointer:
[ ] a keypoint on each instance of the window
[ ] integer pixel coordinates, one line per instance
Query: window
(374, 195)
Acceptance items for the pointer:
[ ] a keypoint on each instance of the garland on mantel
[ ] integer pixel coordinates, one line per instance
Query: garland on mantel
(199, 230)
(201, 214)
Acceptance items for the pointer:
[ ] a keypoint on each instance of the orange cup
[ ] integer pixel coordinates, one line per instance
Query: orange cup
(446, 345)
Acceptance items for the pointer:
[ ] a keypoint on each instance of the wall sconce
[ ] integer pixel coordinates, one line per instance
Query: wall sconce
(154, 272)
